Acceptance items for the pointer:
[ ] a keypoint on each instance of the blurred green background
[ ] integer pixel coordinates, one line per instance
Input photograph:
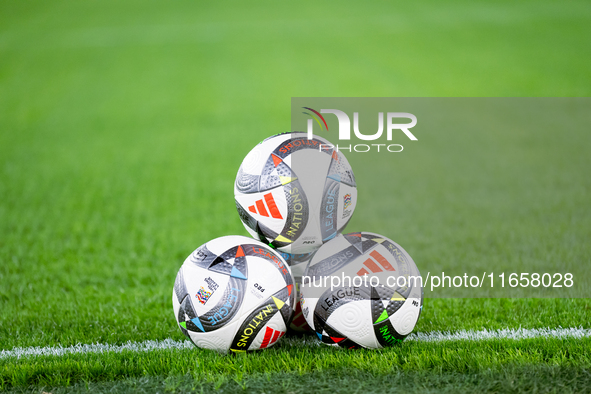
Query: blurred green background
(122, 126)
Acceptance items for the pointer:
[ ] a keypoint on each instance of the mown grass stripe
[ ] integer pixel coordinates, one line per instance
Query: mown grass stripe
(434, 336)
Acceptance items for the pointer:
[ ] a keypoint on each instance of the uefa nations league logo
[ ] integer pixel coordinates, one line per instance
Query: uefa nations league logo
(203, 295)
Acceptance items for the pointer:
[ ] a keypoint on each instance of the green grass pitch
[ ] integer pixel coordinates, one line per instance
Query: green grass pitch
(122, 126)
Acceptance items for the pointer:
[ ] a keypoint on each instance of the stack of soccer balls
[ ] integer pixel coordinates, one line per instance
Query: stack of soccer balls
(295, 196)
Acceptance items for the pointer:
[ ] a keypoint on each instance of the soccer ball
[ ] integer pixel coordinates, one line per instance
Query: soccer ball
(294, 193)
(361, 290)
(234, 293)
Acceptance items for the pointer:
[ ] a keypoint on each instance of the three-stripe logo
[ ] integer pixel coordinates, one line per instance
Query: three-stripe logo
(378, 264)
(271, 336)
(260, 208)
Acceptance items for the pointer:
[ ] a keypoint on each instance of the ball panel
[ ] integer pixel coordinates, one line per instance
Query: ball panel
(219, 340)
(221, 245)
(356, 329)
(222, 312)
(270, 207)
(270, 333)
(256, 159)
(264, 282)
(278, 303)
(340, 169)
(405, 319)
(215, 341)
(246, 183)
(386, 335)
(311, 168)
(179, 291)
(297, 219)
(329, 210)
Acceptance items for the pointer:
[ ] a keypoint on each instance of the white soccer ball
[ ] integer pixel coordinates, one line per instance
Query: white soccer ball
(361, 290)
(234, 293)
(294, 193)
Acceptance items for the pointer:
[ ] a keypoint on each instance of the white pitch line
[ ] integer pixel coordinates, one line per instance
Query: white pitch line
(434, 336)
(506, 333)
(145, 346)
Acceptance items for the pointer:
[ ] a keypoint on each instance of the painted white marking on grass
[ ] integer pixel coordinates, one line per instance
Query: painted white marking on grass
(96, 348)
(434, 336)
(507, 333)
